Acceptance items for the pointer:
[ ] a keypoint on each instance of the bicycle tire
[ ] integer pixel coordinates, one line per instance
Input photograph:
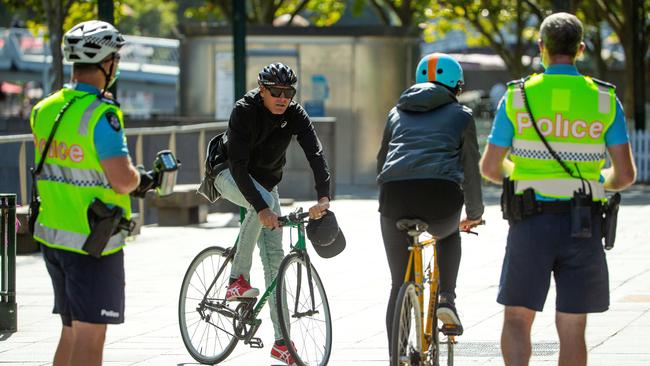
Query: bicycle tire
(287, 290)
(406, 342)
(197, 286)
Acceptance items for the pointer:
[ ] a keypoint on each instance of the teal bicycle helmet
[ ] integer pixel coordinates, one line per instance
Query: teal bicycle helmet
(440, 68)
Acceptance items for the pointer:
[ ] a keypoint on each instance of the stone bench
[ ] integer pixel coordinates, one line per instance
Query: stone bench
(182, 207)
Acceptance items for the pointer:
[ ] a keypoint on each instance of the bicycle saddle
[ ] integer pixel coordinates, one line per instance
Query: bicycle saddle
(412, 224)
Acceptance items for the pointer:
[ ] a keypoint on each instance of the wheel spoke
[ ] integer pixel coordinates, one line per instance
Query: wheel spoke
(310, 332)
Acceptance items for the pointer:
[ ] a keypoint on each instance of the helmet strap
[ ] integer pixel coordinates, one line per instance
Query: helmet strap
(107, 76)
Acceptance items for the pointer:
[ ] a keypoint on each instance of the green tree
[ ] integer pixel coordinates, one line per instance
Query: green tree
(52, 14)
(617, 13)
(263, 12)
(54, 17)
(509, 27)
(403, 13)
(147, 18)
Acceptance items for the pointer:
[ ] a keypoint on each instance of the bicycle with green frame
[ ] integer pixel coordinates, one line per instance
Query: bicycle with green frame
(211, 326)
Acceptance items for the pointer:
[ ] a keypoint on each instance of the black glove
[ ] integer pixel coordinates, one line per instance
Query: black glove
(148, 181)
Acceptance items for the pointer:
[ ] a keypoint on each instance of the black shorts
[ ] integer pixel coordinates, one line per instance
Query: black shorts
(541, 245)
(85, 288)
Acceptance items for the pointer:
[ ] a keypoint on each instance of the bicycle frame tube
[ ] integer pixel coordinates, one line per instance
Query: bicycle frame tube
(229, 258)
(433, 291)
(262, 301)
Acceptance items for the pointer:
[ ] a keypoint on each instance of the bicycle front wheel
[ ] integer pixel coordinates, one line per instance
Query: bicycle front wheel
(204, 315)
(406, 334)
(303, 311)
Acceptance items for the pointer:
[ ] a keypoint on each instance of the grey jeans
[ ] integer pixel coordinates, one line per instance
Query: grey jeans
(252, 231)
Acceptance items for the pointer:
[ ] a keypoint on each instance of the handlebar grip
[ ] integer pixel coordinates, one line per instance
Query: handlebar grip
(292, 217)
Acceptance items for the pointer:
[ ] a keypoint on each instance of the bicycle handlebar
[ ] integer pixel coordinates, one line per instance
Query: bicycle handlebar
(469, 231)
(295, 217)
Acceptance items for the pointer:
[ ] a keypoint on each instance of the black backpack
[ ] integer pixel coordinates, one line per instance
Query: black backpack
(215, 162)
(216, 154)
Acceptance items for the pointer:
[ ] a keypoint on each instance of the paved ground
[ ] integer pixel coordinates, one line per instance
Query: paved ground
(357, 284)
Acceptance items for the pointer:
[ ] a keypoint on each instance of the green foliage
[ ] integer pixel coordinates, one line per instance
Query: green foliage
(321, 13)
(146, 18)
(208, 11)
(510, 27)
(404, 13)
(80, 11)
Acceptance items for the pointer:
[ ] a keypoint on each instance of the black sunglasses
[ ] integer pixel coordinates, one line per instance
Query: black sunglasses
(277, 92)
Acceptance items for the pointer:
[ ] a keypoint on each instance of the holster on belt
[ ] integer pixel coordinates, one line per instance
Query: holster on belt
(515, 207)
(507, 196)
(610, 211)
(104, 222)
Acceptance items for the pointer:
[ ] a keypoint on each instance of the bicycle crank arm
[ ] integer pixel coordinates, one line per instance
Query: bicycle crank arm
(306, 313)
(249, 340)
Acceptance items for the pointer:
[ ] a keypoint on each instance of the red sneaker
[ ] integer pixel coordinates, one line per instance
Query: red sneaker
(281, 353)
(241, 289)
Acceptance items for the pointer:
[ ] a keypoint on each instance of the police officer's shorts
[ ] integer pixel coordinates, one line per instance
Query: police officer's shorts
(541, 245)
(85, 288)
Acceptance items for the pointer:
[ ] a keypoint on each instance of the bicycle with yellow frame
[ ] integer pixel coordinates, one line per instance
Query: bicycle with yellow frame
(415, 339)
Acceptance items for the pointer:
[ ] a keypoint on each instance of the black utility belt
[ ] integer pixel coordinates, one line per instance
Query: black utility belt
(580, 207)
(556, 207)
(516, 207)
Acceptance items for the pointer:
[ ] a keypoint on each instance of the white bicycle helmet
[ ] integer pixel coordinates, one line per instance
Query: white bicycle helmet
(91, 42)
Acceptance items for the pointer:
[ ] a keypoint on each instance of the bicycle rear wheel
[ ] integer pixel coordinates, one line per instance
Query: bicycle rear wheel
(406, 334)
(303, 311)
(206, 318)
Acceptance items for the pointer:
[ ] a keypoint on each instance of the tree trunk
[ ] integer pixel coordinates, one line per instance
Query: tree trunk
(595, 51)
(55, 18)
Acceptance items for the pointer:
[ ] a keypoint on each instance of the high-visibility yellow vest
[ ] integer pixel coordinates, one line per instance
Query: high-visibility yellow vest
(72, 176)
(573, 113)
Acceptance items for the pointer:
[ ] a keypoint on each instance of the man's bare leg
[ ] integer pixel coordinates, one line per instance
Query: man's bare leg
(571, 330)
(515, 337)
(64, 349)
(88, 345)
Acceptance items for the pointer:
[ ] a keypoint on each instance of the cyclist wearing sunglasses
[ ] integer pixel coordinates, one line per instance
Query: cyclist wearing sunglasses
(260, 129)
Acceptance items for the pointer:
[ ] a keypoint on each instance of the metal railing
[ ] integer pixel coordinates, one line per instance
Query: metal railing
(139, 133)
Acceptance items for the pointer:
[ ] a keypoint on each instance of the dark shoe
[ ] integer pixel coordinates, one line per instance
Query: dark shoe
(448, 315)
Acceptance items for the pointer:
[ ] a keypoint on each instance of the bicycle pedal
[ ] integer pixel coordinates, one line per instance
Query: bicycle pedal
(255, 343)
(451, 330)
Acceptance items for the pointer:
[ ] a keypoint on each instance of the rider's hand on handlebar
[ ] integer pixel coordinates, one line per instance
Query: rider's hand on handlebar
(268, 219)
(318, 210)
(467, 224)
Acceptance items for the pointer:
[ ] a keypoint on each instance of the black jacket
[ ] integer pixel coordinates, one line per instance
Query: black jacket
(257, 143)
(429, 135)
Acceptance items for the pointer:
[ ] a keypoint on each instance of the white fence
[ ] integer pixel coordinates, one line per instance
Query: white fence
(641, 150)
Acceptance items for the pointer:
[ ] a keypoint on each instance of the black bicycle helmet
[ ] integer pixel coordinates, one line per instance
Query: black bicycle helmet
(277, 73)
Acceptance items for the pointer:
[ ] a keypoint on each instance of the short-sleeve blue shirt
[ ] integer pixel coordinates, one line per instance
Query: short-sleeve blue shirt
(109, 143)
(503, 130)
